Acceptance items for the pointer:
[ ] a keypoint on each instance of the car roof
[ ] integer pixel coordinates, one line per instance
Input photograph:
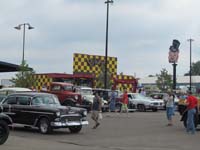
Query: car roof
(17, 89)
(62, 83)
(31, 94)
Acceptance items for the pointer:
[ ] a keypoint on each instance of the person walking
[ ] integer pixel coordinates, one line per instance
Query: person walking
(125, 102)
(96, 110)
(112, 101)
(191, 103)
(170, 108)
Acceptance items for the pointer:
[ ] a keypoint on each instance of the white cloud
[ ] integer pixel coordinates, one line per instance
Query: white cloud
(140, 33)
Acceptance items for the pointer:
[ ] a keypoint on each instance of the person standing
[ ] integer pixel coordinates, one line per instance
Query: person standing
(191, 103)
(96, 110)
(125, 102)
(170, 108)
(112, 101)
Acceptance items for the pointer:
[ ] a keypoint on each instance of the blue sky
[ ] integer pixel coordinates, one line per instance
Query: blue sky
(140, 33)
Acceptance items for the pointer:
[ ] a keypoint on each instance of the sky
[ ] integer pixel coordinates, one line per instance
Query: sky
(140, 33)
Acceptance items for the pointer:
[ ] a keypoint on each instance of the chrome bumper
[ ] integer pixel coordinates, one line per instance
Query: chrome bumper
(68, 124)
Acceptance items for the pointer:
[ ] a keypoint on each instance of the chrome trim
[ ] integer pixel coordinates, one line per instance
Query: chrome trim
(37, 112)
(70, 115)
(68, 124)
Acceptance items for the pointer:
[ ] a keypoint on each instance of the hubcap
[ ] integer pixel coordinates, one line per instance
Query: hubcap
(43, 126)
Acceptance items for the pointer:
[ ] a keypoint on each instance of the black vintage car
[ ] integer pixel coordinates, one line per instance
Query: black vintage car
(4, 130)
(43, 110)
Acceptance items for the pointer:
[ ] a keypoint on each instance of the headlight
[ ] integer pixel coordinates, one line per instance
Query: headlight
(57, 113)
(85, 113)
(76, 97)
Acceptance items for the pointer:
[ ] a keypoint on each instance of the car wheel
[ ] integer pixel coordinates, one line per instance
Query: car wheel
(141, 108)
(4, 132)
(44, 126)
(75, 129)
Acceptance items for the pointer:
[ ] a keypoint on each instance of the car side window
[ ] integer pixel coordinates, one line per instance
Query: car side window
(37, 101)
(56, 88)
(129, 96)
(10, 100)
(23, 100)
(133, 96)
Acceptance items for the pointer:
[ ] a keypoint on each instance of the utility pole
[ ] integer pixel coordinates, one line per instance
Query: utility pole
(190, 72)
(106, 47)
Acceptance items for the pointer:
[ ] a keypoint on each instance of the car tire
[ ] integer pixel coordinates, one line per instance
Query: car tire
(75, 129)
(141, 108)
(44, 126)
(4, 132)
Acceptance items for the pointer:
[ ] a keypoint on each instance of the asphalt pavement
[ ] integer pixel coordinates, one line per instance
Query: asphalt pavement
(135, 131)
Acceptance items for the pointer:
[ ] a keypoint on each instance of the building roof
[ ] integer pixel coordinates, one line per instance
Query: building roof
(179, 79)
(8, 67)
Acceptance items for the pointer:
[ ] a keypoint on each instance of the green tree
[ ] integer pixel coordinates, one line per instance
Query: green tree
(195, 69)
(25, 77)
(164, 81)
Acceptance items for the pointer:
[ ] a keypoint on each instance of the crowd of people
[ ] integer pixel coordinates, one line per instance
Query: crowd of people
(190, 100)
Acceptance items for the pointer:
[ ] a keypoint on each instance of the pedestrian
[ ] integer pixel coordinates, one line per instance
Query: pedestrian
(96, 110)
(112, 101)
(125, 102)
(191, 103)
(143, 92)
(170, 108)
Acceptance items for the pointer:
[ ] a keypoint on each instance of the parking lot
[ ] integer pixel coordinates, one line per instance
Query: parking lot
(138, 131)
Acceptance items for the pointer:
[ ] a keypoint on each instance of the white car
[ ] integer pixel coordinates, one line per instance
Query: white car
(87, 95)
(9, 90)
(143, 103)
(163, 97)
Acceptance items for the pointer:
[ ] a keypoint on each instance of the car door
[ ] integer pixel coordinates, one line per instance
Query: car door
(9, 105)
(23, 110)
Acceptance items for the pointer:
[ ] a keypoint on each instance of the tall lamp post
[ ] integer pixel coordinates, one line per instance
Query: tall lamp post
(106, 47)
(24, 27)
(190, 72)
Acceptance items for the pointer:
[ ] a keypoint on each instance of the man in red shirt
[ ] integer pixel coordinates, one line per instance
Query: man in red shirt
(191, 107)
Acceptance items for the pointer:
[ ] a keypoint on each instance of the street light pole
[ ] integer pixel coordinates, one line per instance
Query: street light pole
(24, 30)
(106, 47)
(190, 72)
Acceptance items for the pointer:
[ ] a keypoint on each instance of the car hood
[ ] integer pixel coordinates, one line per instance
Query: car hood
(88, 98)
(64, 110)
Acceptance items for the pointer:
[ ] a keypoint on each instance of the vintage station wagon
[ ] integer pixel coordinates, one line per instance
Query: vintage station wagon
(44, 111)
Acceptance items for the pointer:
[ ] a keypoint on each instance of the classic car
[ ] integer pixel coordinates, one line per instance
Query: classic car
(4, 129)
(144, 103)
(88, 96)
(164, 96)
(44, 111)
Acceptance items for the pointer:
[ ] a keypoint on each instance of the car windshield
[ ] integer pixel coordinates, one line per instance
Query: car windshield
(86, 91)
(45, 100)
(68, 88)
(2, 97)
(139, 96)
